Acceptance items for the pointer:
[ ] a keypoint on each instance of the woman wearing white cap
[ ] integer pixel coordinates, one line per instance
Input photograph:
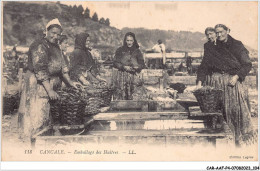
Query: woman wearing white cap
(46, 69)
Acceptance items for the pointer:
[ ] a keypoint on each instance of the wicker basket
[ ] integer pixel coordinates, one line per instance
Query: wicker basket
(10, 103)
(97, 96)
(72, 113)
(92, 98)
(92, 105)
(209, 99)
(55, 110)
(106, 97)
(70, 109)
(106, 93)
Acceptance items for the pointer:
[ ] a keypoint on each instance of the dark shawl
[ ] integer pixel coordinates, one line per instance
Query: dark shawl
(81, 58)
(133, 53)
(45, 60)
(229, 57)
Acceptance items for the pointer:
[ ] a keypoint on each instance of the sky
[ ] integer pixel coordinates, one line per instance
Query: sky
(240, 16)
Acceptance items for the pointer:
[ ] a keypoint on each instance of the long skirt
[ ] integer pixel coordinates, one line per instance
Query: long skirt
(235, 107)
(124, 84)
(33, 112)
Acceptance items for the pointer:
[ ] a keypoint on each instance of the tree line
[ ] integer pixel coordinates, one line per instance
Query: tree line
(79, 12)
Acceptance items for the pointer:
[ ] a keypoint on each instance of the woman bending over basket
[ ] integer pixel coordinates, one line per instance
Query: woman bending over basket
(225, 65)
(46, 69)
(83, 66)
(128, 62)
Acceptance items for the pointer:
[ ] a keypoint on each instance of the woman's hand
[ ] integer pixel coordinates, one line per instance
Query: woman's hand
(101, 79)
(53, 95)
(69, 82)
(233, 80)
(136, 68)
(129, 69)
(76, 85)
(86, 83)
(83, 81)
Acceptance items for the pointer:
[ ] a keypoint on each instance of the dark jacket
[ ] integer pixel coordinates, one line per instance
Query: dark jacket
(225, 57)
(45, 60)
(81, 59)
(128, 57)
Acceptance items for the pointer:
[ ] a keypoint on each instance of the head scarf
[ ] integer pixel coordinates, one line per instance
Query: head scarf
(135, 44)
(80, 41)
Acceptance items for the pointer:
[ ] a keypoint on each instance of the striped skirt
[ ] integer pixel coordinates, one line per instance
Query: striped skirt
(125, 84)
(236, 107)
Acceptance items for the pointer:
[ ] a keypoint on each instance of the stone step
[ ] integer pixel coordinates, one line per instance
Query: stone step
(148, 125)
(145, 105)
(140, 115)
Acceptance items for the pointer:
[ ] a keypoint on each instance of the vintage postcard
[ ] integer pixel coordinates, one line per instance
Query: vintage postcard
(129, 81)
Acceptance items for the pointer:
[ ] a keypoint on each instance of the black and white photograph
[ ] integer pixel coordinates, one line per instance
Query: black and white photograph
(129, 81)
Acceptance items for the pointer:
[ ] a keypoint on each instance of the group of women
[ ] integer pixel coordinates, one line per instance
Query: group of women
(48, 67)
(225, 65)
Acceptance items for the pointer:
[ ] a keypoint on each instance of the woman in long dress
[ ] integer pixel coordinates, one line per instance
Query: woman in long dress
(83, 67)
(46, 69)
(226, 64)
(127, 64)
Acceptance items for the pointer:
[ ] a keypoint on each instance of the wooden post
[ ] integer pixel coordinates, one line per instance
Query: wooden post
(159, 106)
(145, 107)
(161, 84)
(165, 79)
(20, 79)
(4, 90)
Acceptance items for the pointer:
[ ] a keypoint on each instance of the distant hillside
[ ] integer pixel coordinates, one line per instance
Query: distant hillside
(23, 22)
